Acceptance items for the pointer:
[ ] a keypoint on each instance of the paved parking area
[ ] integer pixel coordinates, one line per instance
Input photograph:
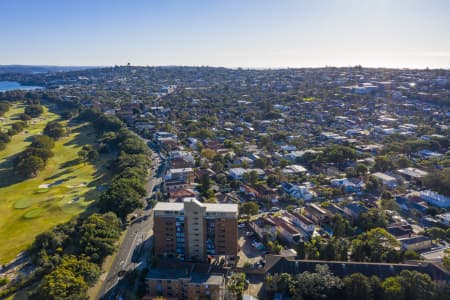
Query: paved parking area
(248, 253)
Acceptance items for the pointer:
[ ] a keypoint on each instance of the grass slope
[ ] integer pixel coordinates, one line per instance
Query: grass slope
(27, 208)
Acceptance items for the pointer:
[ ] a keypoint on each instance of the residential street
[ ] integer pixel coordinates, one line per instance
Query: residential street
(138, 239)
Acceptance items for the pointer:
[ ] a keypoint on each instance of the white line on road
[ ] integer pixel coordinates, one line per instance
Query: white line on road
(131, 248)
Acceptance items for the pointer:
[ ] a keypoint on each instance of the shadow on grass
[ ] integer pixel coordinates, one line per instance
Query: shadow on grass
(7, 175)
(82, 134)
(57, 175)
(69, 164)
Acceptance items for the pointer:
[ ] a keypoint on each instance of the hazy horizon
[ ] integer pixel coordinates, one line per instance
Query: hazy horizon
(248, 34)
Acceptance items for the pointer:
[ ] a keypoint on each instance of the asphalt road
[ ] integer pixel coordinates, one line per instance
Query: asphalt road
(129, 254)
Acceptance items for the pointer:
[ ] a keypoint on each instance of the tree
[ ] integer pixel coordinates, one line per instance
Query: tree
(208, 153)
(34, 110)
(24, 117)
(54, 130)
(249, 208)
(375, 245)
(274, 247)
(98, 235)
(416, 285)
(446, 261)
(357, 286)
(332, 249)
(16, 127)
(88, 153)
(392, 289)
(83, 155)
(411, 255)
(217, 166)
(372, 218)
(251, 177)
(436, 233)
(42, 141)
(29, 166)
(389, 204)
(361, 170)
(350, 172)
(62, 284)
(320, 284)
(341, 226)
(439, 181)
(123, 197)
(4, 107)
(4, 138)
(375, 285)
(236, 284)
(81, 266)
(43, 153)
(260, 163)
(205, 183)
(339, 154)
(282, 282)
(373, 185)
(383, 164)
(272, 181)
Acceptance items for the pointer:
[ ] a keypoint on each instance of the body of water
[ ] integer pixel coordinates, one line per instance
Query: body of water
(13, 85)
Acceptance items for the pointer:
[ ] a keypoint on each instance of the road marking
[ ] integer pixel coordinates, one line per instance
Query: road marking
(131, 248)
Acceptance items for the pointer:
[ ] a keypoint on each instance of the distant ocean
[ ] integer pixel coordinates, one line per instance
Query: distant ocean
(13, 85)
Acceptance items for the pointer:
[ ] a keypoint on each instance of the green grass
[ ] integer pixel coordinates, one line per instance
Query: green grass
(28, 209)
(34, 213)
(308, 99)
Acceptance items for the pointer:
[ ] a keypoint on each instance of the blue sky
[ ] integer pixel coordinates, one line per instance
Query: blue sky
(230, 33)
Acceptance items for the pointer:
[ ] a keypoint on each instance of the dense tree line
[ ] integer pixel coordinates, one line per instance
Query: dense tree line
(322, 284)
(127, 188)
(71, 254)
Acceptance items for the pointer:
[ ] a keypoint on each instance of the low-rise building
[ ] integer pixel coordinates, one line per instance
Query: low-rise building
(416, 243)
(183, 175)
(304, 222)
(170, 279)
(435, 199)
(349, 186)
(315, 213)
(444, 218)
(264, 227)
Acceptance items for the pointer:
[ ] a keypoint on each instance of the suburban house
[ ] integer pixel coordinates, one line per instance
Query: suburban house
(304, 222)
(349, 186)
(386, 180)
(435, 199)
(315, 213)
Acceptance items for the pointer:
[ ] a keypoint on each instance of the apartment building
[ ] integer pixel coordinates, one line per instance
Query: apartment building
(186, 283)
(192, 230)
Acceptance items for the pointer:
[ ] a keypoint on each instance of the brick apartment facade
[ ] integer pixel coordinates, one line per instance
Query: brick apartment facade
(192, 230)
